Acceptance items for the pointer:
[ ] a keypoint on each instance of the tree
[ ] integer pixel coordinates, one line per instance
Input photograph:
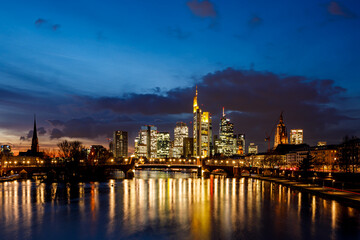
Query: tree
(71, 150)
(319, 161)
(306, 164)
(64, 149)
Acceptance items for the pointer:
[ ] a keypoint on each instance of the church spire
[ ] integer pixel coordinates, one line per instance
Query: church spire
(35, 140)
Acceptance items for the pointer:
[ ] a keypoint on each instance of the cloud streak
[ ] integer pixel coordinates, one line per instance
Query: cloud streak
(337, 9)
(40, 22)
(203, 9)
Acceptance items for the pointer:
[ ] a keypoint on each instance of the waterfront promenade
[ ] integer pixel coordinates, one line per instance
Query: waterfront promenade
(347, 196)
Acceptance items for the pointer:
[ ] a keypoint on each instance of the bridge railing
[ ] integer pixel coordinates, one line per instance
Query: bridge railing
(225, 162)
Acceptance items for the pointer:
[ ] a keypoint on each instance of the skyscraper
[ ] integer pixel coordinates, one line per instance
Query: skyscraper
(163, 144)
(253, 149)
(240, 144)
(296, 136)
(181, 131)
(146, 142)
(188, 147)
(202, 130)
(206, 134)
(226, 142)
(281, 133)
(197, 126)
(120, 144)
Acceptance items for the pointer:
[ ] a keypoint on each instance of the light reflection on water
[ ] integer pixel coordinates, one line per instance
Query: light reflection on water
(157, 205)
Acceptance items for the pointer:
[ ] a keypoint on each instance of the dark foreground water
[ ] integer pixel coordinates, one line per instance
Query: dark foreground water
(158, 205)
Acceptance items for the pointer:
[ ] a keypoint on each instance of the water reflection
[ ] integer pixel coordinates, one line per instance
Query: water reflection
(162, 206)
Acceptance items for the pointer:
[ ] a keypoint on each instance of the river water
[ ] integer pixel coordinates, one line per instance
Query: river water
(160, 205)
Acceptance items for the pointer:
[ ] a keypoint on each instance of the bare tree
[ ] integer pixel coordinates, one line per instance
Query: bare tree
(64, 149)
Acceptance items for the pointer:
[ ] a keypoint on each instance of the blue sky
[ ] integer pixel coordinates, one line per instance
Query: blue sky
(58, 52)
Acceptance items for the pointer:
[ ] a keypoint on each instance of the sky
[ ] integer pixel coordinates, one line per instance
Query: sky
(88, 68)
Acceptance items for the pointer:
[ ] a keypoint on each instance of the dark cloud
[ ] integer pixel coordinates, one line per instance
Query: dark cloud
(337, 9)
(22, 138)
(55, 27)
(255, 21)
(253, 99)
(90, 127)
(40, 22)
(43, 23)
(30, 134)
(177, 32)
(40, 131)
(56, 133)
(202, 9)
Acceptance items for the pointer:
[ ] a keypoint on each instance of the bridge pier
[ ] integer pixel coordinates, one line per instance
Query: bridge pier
(237, 172)
(129, 174)
(199, 172)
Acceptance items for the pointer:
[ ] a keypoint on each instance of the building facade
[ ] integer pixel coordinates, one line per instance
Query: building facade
(120, 144)
(188, 147)
(181, 131)
(296, 136)
(163, 144)
(226, 143)
(253, 149)
(146, 142)
(240, 144)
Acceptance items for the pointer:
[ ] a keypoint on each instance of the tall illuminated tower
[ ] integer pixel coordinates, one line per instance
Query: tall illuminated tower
(197, 126)
(281, 134)
(202, 130)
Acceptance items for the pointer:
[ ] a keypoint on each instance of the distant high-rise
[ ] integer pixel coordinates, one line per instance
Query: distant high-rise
(319, 144)
(146, 142)
(120, 144)
(181, 131)
(206, 134)
(296, 136)
(202, 131)
(188, 147)
(226, 142)
(163, 144)
(253, 149)
(240, 144)
(35, 140)
(281, 133)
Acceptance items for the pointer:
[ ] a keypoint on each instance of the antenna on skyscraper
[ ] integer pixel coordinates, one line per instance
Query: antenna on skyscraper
(223, 112)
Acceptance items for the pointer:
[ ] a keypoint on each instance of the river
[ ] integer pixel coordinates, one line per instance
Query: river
(161, 205)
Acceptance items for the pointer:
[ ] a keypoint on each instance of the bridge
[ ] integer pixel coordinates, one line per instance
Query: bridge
(230, 168)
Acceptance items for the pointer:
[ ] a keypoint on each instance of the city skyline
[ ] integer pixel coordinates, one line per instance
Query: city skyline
(87, 73)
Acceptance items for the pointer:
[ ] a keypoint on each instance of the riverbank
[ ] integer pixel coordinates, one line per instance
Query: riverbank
(342, 196)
